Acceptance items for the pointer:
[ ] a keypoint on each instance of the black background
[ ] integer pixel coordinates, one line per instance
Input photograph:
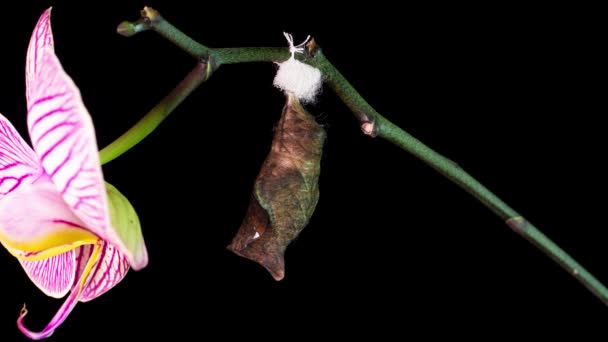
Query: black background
(394, 249)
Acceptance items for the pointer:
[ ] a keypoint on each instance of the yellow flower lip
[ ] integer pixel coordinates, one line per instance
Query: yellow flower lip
(27, 229)
(46, 252)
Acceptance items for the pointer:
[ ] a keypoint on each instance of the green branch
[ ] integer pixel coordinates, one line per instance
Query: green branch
(373, 124)
(156, 115)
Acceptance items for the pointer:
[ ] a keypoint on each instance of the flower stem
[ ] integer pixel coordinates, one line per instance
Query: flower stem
(374, 124)
(156, 115)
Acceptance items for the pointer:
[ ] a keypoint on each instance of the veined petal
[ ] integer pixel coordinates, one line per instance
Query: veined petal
(82, 254)
(63, 136)
(98, 268)
(55, 275)
(68, 305)
(42, 38)
(35, 222)
(126, 223)
(18, 162)
(109, 270)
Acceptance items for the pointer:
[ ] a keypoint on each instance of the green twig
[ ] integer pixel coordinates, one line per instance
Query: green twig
(156, 115)
(374, 124)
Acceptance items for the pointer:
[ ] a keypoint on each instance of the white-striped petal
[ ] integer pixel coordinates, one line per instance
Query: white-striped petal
(63, 137)
(70, 302)
(55, 275)
(35, 222)
(42, 38)
(18, 162)
(109, 270)
(97, 268)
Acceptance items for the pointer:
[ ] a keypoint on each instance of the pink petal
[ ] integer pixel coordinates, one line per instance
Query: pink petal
(59, 318)
(36, 223)
(18, 162)
(100, 267)
(63, 136)
(109, 270)
(83, 254)
(54, 275)
(68, 305)
(42, 38)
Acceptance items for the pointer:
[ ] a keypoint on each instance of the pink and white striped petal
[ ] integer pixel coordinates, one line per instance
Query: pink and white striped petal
(109, 270)
(98, 268)
(56, 321)
(83, 254)
(36, 223)
(63, 135)
(68, 305)
(42, 38)
(18, 162)
(55, 275)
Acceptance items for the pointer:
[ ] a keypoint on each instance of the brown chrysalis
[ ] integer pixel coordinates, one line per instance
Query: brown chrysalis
(286, 190)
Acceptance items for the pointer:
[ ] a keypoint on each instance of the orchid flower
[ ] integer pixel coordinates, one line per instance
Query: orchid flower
(71, 231)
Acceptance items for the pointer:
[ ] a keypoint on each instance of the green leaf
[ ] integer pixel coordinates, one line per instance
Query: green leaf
(126, 224)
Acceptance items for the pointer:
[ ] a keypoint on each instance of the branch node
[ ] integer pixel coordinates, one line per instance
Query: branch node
(369, 128)
(311, 48)
(148, 18)
(150, 15)
(518, 224)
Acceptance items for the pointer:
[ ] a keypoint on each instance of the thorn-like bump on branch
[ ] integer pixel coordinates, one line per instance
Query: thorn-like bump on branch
(518, 224)
(369, 128)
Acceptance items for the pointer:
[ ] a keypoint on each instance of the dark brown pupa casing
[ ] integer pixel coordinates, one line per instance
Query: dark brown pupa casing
(286, 190)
